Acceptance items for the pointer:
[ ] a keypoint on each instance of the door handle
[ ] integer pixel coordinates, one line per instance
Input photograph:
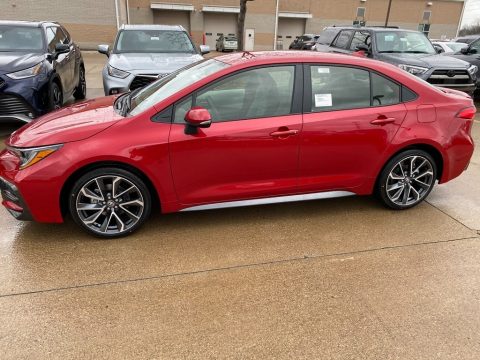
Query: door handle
(283, 133)
(382, 120)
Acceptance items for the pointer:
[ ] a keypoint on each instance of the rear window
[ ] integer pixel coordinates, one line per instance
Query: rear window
(230, 38)
(327, 36)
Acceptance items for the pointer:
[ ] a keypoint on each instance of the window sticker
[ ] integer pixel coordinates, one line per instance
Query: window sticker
(323, 70)
(323, 100)
(389, 37)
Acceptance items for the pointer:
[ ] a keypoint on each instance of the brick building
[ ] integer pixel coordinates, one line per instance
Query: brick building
(92, 22)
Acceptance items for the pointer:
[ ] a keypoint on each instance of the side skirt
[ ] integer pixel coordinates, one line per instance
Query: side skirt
(271, 200)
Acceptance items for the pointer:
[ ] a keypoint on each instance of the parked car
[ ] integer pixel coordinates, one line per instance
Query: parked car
(40, 68)
(468, 39)
(407, 49)
(471, 53)
(225, 43)
(303, 42)
(450, 47)
(239, 130)
(143, 53)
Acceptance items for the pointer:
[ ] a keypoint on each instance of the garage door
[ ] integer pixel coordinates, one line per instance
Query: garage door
(172, 17)
(288, 29)
(217, 24)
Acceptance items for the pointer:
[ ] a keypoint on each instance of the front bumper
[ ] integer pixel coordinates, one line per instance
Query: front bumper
(23, 100)
(13, 201)
(113, 85)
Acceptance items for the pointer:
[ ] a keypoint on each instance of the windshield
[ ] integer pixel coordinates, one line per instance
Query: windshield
(403, 42)
(21, 38)
(153, 41)
(169, 85)
(456, 46)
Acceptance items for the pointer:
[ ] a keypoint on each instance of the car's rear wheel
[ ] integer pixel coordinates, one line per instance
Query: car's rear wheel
(81, 89)
(110, 202)
(407, 179)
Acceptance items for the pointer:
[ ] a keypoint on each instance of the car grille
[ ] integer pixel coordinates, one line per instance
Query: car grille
(142, 80)
(14, 105)
(450, 77)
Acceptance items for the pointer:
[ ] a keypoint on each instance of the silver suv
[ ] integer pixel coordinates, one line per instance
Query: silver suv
(143, 53)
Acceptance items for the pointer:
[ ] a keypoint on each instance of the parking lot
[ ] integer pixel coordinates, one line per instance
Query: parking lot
(330, 279)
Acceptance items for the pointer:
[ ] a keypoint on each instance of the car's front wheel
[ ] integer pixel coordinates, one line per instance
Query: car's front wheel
(55, 97)
(81, 89)
(110, 202)
(407, 179)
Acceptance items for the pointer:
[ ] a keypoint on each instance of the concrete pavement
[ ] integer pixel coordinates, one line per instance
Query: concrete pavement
(333, 279)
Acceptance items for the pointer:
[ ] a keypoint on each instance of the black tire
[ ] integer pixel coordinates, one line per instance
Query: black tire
(55, 96)
(117, 215)
(418, 184)
(80, 92)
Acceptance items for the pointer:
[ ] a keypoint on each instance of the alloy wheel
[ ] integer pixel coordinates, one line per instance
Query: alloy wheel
(57, 98)
(410, 180)
(110, 205)
(83, 83)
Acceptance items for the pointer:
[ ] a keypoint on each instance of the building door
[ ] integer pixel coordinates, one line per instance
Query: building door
(288, 30)
(249, 39)
(216, 24)
(172, 17)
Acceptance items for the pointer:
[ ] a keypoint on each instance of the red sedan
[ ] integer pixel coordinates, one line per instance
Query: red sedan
(241, 129)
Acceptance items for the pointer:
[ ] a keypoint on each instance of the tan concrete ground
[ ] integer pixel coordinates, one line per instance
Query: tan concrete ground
(333, 279)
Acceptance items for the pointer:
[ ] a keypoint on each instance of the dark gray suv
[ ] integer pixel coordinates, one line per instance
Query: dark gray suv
(407, 49)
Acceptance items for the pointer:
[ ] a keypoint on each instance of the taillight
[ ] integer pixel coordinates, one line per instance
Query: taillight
(467, 113)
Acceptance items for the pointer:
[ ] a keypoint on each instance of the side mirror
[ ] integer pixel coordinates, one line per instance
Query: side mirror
(61, 49)
(104, 49)
(362, 47)
(464, 50)
(438, 49)
(204, 49)
(197, 117)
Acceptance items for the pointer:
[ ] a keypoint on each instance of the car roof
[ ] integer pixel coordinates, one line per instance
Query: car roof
(291, 56)
(27, 23)
(370, 28)
(153, 27)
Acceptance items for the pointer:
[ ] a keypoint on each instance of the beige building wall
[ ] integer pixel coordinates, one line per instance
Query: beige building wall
(92, 22)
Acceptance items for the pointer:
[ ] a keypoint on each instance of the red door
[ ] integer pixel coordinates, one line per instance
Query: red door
(236, 160)
(339, 149)
(353, 116)
(251, 148)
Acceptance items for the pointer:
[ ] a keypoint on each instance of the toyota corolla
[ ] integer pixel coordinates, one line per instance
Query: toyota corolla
(241, 129)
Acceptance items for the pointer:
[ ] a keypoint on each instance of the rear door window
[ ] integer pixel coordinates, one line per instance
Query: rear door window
(360, 38)
(343, 39)
(339, 88)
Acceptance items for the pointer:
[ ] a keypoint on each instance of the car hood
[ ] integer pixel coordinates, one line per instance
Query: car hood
(72, 123)
(16, 61)
(425, 60)
(158, 63)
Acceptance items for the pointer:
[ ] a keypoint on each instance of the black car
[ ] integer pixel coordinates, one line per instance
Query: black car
(470, 53)
(407, 49)
(40, 68)
(304, 42)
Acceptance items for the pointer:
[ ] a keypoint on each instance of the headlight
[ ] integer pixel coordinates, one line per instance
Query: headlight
(415, 70)
(472, 70)
(117, 72)
(26, 73)
(30, 156)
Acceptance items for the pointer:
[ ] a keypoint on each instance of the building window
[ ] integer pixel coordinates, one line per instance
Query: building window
(360, 18)
(426, 17)
(361, 13)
